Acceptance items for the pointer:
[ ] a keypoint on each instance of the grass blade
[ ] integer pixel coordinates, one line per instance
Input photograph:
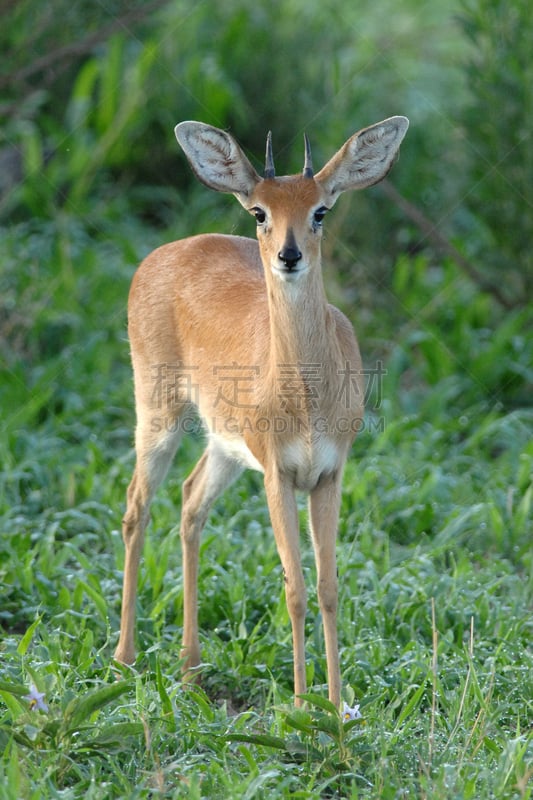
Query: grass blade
(79, 709)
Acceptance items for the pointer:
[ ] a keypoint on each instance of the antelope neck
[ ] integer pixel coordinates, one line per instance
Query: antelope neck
(298, 312)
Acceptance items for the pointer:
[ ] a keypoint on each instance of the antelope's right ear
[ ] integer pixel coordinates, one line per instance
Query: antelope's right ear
(217, 160)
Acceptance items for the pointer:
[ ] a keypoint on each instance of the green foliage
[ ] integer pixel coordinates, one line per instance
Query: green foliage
(62, 158)
(101, 127)
(450, 338)
(500, 174)
(434, 548)
(111, 133)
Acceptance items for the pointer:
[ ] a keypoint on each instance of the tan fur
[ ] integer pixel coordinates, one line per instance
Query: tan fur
(222, 323)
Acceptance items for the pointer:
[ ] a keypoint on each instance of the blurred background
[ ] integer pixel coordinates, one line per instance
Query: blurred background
(90, 93)
(434, 266)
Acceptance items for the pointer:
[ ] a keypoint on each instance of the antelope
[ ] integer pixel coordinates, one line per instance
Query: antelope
(241, 330)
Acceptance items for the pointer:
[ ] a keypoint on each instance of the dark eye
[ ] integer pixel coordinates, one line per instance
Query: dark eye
(319, 215)
(259, 214)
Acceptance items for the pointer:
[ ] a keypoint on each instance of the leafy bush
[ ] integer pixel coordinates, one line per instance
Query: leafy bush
(99, 124)
(109, 131)
(497, 122)
(457, 337)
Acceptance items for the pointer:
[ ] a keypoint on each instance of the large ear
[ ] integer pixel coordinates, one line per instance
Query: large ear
(364, 159)
(216, 159)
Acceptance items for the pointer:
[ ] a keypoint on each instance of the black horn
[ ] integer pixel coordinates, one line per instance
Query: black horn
(308, 165)
(270, 172)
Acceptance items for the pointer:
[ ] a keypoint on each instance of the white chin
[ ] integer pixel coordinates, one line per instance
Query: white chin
(288, 276)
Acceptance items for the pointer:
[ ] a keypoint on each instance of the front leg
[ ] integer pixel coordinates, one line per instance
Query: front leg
(324, 505)
(284, 518)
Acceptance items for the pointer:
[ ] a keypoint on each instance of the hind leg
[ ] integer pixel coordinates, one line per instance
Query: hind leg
(156, 443)
(213, 473)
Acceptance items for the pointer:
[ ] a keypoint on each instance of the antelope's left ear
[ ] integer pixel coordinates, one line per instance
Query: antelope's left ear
(365, 159)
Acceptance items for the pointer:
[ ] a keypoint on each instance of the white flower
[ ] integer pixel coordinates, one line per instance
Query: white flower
(35, 699)
(350, 713)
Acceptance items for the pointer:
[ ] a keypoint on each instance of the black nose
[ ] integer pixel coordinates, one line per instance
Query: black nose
(290, 256)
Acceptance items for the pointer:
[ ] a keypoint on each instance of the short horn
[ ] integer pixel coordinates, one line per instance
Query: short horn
(308, 165)
(270, 172)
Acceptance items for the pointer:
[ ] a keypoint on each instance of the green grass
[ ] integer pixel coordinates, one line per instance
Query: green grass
(435, 562)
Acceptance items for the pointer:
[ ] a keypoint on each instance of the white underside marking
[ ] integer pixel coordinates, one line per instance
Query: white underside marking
(306, 463)
(236, 449)
(309, 464)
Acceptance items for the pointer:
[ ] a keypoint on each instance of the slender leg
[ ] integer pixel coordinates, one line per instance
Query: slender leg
(212, 474)
(284, 518)
(155, 449)
(324, 504)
